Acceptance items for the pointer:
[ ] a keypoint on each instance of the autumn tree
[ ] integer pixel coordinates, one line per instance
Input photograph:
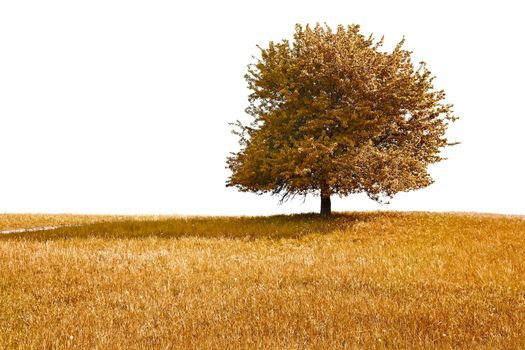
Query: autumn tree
(334, 114)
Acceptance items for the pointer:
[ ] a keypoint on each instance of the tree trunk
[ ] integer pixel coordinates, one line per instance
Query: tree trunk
(326, 204)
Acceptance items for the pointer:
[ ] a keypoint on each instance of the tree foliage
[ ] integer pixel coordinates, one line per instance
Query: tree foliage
(334, 114)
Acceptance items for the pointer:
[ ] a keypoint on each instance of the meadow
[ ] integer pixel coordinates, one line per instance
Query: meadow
(379, 280)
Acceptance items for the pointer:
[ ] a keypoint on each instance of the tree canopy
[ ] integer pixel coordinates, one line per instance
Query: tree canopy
(334, 114)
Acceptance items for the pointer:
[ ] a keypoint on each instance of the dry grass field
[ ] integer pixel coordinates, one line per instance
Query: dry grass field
(357, 280)
(23, 221)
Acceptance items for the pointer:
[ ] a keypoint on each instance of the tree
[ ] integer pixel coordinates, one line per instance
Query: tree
(333, 114)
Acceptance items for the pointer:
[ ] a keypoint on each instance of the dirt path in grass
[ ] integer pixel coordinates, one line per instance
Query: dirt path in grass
(31, 229)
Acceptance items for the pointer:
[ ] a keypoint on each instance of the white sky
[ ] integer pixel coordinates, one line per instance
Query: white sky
(123, 106)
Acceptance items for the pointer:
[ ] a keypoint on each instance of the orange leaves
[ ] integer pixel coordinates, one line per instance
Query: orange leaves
(332, 108)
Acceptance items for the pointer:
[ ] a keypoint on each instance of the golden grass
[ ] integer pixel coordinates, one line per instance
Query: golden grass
(365, 280)
(24, 221)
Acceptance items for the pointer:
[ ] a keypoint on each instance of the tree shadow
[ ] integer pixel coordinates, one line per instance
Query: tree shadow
(241, 227)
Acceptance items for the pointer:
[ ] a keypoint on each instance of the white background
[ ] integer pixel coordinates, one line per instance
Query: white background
(123, 106)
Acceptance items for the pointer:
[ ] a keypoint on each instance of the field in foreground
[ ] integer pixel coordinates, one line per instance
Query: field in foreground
(357, 280)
